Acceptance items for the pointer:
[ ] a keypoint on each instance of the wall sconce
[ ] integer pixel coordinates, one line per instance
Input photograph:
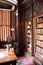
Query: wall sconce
(12, 29)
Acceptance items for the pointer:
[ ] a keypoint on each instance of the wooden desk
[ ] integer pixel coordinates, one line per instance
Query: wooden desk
(10, 59)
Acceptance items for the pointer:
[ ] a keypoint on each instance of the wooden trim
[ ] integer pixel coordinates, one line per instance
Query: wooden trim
(5, 9)
(32, 28)
(39, 15)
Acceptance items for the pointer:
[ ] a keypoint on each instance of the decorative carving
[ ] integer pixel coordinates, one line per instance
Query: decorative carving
(37, 9)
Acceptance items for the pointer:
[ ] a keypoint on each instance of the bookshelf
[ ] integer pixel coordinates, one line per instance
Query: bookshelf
(39, 38)
(28, 38)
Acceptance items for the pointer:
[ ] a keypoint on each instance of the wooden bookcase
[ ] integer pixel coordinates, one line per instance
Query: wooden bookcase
(28, 36)
(39, 38)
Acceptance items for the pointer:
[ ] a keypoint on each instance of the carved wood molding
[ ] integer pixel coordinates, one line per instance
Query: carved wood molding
(41, 3)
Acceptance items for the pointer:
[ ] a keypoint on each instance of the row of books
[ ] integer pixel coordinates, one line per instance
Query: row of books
(40, 20)
(40, 50)
(39, 31)
(40, 25)
(39, 55)
(39, 37)
(29, 35)
(39, 43)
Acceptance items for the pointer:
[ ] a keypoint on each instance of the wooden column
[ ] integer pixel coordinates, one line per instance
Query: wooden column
(12, 25)
(32, 28)
(21, 25)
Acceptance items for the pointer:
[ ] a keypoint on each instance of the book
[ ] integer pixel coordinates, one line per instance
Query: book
(40, 25)
(41, 51)
(41, 44)
(38, 42)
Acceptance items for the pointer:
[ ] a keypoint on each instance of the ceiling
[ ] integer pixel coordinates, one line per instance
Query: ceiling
(8, 4)
(5, 5)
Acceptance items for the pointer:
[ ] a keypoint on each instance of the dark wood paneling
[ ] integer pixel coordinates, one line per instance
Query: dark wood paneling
(24, 14)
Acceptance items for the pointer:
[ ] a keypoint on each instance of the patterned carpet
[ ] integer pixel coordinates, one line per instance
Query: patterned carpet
(26, 60)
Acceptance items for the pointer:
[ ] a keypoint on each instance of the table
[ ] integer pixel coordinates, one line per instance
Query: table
(10, 59)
